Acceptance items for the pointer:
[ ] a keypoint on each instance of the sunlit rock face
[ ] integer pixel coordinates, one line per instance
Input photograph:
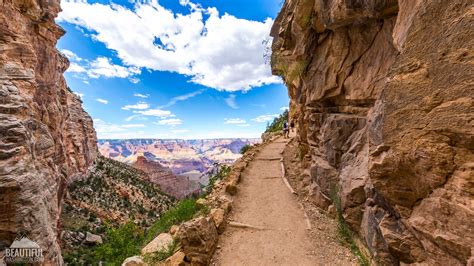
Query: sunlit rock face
(383, 95)
(46, 138)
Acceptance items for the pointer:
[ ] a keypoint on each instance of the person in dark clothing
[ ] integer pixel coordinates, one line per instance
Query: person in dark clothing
(286, 130)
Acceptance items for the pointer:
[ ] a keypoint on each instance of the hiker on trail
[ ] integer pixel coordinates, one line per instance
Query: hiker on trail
(286, 130)
(292, 126)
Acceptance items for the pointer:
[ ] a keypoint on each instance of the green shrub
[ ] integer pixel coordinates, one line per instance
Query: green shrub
(224, 170)
(345, 233)
(183, 211)
(121, 243)
(245, 148)
(277, 124)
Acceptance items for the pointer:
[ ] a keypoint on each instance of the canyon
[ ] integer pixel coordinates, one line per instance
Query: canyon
(382, 96)
(382, 93)
(180, 167)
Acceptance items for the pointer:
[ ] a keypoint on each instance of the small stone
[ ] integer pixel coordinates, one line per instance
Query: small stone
(174, 229)
(134, 261)
(92, 239)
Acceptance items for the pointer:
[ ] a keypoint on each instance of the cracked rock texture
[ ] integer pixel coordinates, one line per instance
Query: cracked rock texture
(382, 92)
(46, 138)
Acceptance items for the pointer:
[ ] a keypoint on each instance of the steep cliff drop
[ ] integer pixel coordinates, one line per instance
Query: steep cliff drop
(46, 138)
(383, 95)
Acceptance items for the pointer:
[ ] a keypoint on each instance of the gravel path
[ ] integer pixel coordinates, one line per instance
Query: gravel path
(264, 201)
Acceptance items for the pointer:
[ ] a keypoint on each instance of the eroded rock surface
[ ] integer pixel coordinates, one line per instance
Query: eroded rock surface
(46, 138)
(382, 92)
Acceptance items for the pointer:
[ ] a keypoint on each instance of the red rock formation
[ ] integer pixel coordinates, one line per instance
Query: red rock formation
(45, 136)
(177, 186)
(383, 95)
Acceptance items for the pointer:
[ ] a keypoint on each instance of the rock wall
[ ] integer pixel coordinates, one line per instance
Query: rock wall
(46, 138)
(382, 92)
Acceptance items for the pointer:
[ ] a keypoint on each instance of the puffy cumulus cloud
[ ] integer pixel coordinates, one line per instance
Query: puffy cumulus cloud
(170, 122)
(103, 67)
(103, 101)
(137, 106)
(234, 121)
(285, 108)
(218, 51)
(265, 118)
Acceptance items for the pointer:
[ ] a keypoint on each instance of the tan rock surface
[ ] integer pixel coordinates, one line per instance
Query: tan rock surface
(160, 243)
(383, 99)
(46, 138)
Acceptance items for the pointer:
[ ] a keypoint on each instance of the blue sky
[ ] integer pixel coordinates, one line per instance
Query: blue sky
(173, 68)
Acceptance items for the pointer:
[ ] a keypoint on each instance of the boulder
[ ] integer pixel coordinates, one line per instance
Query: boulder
(198, 239)
(161, 242)
(218, 216)
(176, 260)
(134, 261)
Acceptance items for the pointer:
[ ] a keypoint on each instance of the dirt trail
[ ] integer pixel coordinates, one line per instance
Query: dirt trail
(264, 201)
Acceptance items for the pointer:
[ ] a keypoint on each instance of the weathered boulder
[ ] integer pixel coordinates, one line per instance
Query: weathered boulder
(160, 243)
(46, 137)
(218, 216)
(176, 260)
(198, 238)
(382, 95)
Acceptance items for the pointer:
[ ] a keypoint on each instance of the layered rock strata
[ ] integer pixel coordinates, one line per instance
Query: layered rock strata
(46, 138)
(382, 92)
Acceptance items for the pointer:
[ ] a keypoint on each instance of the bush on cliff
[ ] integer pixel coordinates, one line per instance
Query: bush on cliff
(277, 124)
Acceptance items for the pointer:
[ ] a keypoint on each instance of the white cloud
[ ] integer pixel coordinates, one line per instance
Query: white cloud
(79, 94)
(284, 108)
(170, 122)
(221, 52)
(184, 97)
(102, 101)
(155, 112)
(104, 128)
(141, 95)
(76, 68)
(234, 121)
(137, 106)
(71, 55)
(243, 125)
(230, 101)
(103, 67)
(265, 118)
(133, 125)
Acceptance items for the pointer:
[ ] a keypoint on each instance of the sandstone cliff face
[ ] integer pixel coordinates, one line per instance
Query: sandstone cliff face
(383, 95)
(45, 136)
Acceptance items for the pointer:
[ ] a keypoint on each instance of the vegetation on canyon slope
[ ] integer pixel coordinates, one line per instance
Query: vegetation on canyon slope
(121, 239)
(277, 123)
